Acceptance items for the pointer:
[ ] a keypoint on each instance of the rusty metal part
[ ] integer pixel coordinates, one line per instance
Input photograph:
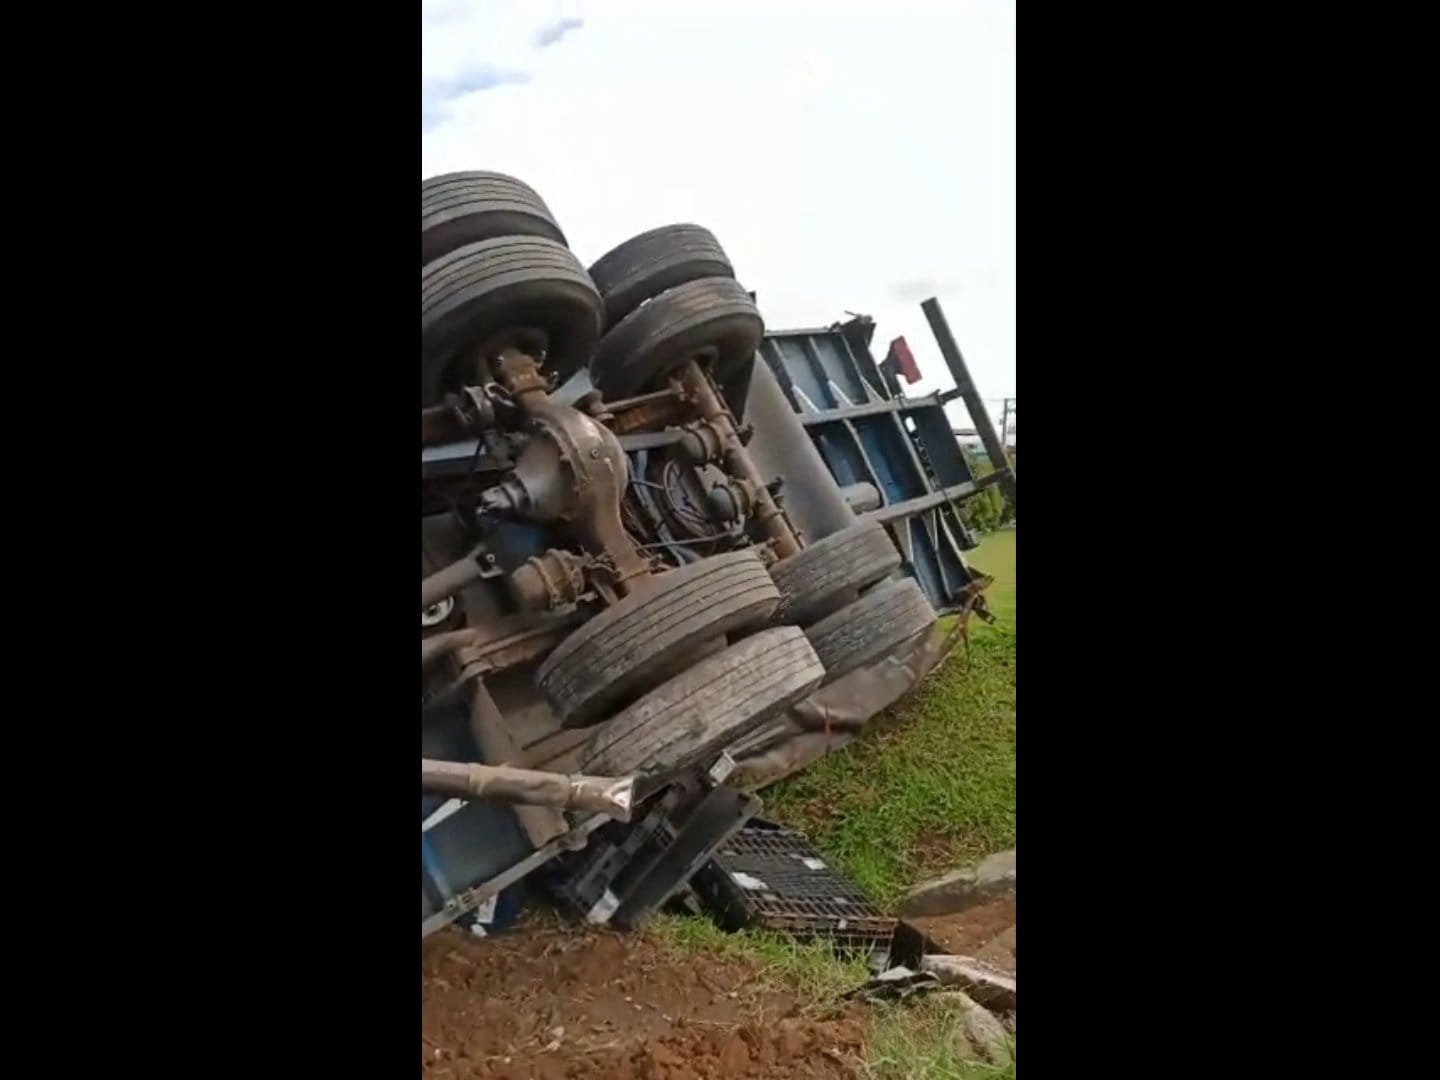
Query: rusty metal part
(433, 649)
(592, 403)
(442, 423)
(972, 597)
(497, 747)
(646, 412)
(448, 581)
(464, 780)
(972, 602)
(537, 488)
(654, 397)
(460, 416)
(767, 555)
(572, 472)
(487, 725)
(550, 580)
(488, 650)
(701, 443)
(519, 373)
(695, 387)
(648, 417)
(482, 650)
(484, 657)
(731, 500)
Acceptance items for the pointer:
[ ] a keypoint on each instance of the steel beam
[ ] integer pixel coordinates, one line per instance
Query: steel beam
(966, 389)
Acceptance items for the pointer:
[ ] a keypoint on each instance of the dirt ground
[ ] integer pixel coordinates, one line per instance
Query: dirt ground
(986, 932)
(550, 1001)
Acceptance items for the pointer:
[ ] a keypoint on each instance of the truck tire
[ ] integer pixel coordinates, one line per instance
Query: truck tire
(697, 714)
(462, 208)
(820, 578)
(870, 628)
(647, 265)
(712, 320)
(629, 647)
(522, 290)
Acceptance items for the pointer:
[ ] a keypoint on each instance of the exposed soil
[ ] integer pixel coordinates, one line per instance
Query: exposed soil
(986, 932)
(552, 1001)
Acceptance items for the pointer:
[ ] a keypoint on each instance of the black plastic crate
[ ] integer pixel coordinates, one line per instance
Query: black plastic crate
(771, 877)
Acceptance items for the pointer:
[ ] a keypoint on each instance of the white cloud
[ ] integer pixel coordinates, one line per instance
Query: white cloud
(848, 156)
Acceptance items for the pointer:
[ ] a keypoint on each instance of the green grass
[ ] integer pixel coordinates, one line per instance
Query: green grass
(925, 1041)
(813, 971)
(930, 785)
(996, 556)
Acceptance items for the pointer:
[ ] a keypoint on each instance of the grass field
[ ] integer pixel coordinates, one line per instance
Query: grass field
(930, 785)
(922, 1041)
(996, 557)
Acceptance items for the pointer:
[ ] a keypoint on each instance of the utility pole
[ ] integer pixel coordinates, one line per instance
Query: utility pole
(1005, 423)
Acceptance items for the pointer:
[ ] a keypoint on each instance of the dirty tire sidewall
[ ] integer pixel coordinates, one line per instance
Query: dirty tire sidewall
(498, 286)
(713, 314)
(625, 649)
(649, 264)
(467, 207)
(872, 627)
(818, 579)
(691, 718)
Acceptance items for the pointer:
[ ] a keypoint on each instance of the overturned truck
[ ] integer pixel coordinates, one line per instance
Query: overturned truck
(655, 538)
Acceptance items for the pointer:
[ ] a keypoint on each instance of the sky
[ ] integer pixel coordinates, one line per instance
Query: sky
(848, 156)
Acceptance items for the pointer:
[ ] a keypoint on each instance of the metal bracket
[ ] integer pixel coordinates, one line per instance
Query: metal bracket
(468, 900)
(633, 870)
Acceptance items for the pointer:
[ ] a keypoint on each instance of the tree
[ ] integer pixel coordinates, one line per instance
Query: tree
(988, 509)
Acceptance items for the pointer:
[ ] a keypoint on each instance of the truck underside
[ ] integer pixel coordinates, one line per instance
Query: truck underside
(654, 537)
